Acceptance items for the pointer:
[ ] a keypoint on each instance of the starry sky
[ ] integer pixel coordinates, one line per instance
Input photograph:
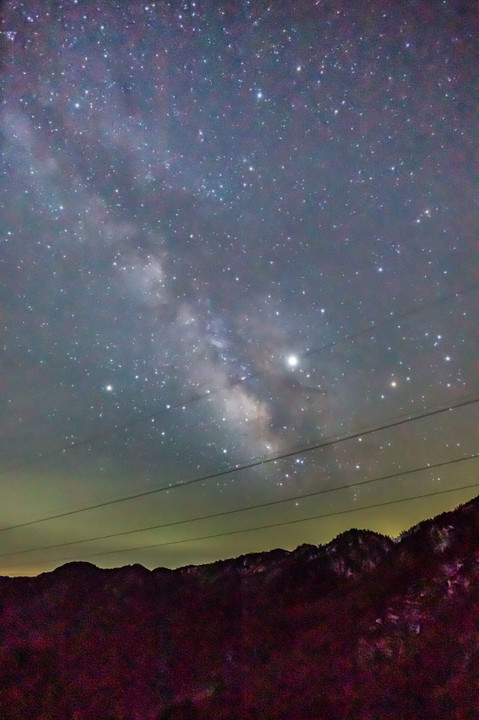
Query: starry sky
(238, 271)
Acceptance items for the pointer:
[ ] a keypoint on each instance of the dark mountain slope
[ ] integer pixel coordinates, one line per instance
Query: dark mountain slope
(360, 629)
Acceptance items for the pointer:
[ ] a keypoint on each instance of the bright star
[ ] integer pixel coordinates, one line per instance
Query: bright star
(292, 360)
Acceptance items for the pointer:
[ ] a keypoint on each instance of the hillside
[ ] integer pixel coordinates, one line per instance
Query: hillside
(359, 629)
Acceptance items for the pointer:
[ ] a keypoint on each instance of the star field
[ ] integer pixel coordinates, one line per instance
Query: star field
(233, 231)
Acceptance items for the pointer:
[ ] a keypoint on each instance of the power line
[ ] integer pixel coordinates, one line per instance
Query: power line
(248, 507)
(201, 396)
(248, 466)
(290, 522)
(270, 525)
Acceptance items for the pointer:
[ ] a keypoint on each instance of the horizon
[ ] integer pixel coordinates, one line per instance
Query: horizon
(396, 540)
(238, 276)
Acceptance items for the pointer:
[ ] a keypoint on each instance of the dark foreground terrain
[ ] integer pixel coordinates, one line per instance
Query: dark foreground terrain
(360, 629)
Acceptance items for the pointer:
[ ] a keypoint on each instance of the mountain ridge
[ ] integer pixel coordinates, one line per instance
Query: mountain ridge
(360, 628)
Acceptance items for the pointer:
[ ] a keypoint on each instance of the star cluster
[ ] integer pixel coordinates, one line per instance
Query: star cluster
(233, 232)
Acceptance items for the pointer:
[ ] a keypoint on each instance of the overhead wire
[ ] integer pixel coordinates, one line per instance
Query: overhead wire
(262, 527)
(257, 463)
(135, 421)
(180, 404)
(247, 508)
(286, 522)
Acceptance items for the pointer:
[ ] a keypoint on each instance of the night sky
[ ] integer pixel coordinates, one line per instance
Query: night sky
(233, 231)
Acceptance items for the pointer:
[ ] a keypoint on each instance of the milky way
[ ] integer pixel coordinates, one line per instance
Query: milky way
(233, 231)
